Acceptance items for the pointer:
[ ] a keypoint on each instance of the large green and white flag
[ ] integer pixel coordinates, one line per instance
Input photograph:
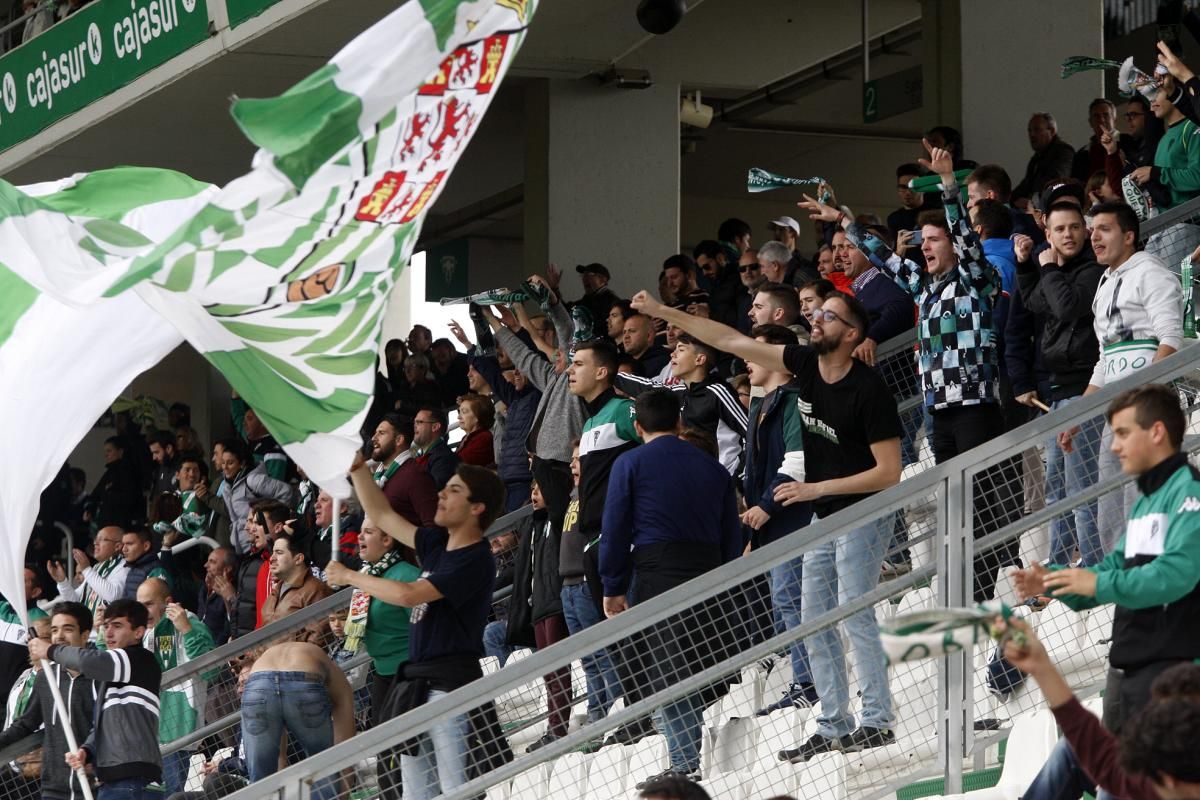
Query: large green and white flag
(281, 278)
(63, 364)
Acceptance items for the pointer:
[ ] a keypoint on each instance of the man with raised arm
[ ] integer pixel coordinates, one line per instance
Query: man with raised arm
(559, 417)
(450, 603)
(851, 435)
(955, 293)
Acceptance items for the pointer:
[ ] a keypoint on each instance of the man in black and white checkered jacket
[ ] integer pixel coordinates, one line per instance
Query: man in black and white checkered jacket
(955, 294)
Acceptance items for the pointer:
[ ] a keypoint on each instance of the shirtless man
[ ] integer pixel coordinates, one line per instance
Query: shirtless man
(318, 710)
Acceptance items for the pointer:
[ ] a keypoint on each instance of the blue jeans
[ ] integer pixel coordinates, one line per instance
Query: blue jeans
(1060, 778)
(128, 789)
(834, 574)
(603, 685)
(682, 723)
(1067, 474)
(175, 771)
(1112, 509)
(296, 701)
(441, 761)
(787, 587)
(493, 641)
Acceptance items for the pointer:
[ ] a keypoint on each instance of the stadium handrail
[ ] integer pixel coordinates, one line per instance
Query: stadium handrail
(954, 477)
(1172, 216)
(302, 617)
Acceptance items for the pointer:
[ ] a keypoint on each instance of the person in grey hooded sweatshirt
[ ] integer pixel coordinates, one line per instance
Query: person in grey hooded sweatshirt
(558, 420)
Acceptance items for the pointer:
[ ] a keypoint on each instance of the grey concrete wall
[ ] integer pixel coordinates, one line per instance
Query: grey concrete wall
(602, 180)
(1012, 54)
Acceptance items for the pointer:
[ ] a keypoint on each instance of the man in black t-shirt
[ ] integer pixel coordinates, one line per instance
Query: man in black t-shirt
(450, 603)
(851, 435)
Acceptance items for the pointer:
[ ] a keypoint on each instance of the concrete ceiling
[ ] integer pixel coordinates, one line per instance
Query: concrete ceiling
(725, 48)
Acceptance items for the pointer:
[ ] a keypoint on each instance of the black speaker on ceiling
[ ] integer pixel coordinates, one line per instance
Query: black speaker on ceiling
(660, 16)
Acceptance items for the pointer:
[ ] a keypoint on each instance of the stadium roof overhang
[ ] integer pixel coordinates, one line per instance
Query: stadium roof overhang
(782, 75)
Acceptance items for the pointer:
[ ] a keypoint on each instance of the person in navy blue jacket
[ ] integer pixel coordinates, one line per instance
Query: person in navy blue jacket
(522, 398)
(776, 429)
(647, 530)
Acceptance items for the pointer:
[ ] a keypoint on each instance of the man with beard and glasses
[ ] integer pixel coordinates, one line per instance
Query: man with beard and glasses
(406, 484)
(851, 436)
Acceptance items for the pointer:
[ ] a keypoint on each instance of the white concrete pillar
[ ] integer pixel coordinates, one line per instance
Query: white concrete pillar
(988, 66)
(602, 180)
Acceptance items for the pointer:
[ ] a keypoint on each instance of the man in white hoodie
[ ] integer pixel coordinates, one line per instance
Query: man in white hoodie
(1139, 320)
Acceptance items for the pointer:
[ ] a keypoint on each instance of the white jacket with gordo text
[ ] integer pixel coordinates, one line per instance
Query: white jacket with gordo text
(1139, 302)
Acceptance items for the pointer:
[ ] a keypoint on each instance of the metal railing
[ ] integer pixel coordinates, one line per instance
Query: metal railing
(924, 506)
(934, 737)
(213, 671)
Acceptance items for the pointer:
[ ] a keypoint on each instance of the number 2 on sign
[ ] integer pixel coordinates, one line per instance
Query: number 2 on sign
(870, 104)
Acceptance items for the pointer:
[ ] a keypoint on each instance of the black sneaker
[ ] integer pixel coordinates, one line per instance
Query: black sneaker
(542, 742)
(813, 747)
(631, 733)
(864, 738)
(798, 695)
(666, 775)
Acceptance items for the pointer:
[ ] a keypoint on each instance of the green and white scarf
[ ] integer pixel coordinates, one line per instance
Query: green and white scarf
(90, 598)
(942, 631)
(384, 474)
(360, 601)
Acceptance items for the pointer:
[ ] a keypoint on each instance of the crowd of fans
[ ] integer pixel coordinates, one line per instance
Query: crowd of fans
(654, 438)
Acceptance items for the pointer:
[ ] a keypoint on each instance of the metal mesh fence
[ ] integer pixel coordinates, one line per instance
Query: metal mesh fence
(698, 687)
(1087, 504)
(701, 669)
(715, 679)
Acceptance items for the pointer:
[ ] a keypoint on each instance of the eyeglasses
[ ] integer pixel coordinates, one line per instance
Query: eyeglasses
(824, 315)
(748, 267)
(424, 422)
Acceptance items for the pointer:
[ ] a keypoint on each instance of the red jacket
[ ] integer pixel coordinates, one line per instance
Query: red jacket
(840, 282)
(262, 586)
(476, 448)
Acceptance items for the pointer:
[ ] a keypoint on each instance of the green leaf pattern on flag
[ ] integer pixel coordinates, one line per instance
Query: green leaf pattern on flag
(282, 279)
(17, 296)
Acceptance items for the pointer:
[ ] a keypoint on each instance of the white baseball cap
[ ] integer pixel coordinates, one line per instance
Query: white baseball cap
(787, 222)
